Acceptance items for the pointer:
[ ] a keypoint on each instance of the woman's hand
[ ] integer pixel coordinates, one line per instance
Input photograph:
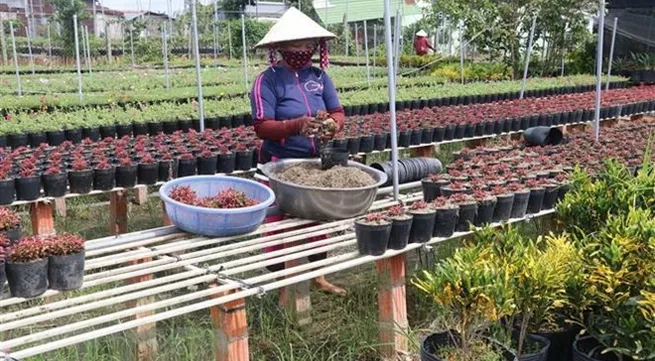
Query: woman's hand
(330, 128)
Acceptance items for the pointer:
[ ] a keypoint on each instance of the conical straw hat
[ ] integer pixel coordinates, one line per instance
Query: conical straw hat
(294, 25)
(422, 33)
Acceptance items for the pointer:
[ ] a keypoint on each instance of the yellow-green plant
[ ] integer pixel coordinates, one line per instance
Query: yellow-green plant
(471, 291)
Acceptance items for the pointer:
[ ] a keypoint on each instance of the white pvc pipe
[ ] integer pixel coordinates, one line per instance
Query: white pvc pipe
(391, 84)
(196, 54)
(164, 51)
(13, 46)
(528, 51)
(244, 45)
(77, 56)
(609, 65)
(29, 48)
(599, 67)
(368, 69)
(461, 53)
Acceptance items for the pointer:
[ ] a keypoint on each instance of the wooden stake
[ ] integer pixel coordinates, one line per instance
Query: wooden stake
(145, 336)
(392, 306)
(60, 206)
(43, 221)
(118, 212)
(140, 194)
(231, 329)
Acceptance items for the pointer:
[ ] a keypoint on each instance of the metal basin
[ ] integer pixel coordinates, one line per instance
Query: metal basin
(323, 204)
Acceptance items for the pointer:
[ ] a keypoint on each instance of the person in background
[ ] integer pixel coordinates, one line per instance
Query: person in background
(422, 44)
(286, 98)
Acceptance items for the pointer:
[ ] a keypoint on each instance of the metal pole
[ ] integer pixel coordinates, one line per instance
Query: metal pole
(375, 49)
(397, 43)
(164, 48)
(13, 45)
(527, 57)
(391, 82)
(29, 48)
(368, 69)
(3, 42)
(88, 49)
(169, 7)
(229, 38)
(93, 9)
(357, 43)
(450, 39)
(131, 46)
(609, 65)
(346, 27)
(107, 41)
(77, 56)
(216, 30)
(599, 67)
(564, 47)
(245, 52)
(461, 53)
(49, 43)
(196, 54)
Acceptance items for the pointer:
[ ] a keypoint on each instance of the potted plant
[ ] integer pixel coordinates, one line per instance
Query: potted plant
(486, 206)
(167, 167)
(243, 157)
(537, 192)
(27, 267)
(7, 182)
(432, 185)
(468, 210)
(470, 295)
(401, 226)
(455, 187)
(4, 248)
(551, 194)
(10, 224)
(521, 198)
(54, 181)
(28, 183)
(65, 262)
(207, 161)
(447, 215)
(103, 175)
(423, 223)
(125, 172)
(80, 177)
(147, 170)
(226, 160)
(372, 232)
(504, 202)
(186, 164)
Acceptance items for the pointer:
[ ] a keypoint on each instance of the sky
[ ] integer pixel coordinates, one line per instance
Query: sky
(153, 5)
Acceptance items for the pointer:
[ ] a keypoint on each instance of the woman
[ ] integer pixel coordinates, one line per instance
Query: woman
(422, 44)
(286, 98)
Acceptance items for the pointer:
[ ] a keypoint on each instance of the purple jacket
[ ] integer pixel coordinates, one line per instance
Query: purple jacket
(279, 93)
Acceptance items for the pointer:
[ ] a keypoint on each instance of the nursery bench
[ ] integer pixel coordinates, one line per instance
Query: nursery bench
(155, 262)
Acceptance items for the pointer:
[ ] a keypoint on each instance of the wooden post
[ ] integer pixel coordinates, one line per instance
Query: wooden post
(392, 306)
(118, 212)
(231, 330)
(60, 206)
(165, 218)
(140, 194)
(145, 336)
(295, 299)
(424, 151)
(43, 221)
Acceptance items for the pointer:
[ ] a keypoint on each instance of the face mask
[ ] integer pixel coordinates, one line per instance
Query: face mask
(297, 59)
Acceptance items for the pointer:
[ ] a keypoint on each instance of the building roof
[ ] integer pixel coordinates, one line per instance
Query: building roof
(359, 10)
(131, 15)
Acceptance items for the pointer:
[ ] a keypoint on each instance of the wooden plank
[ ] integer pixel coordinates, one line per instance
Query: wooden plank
(231, 329)
(43, 221)
(118, 212)
(392, 306)
(145, 336)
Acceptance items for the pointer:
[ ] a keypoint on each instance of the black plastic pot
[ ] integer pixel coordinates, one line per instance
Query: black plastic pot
(155, 128)
(536, 200)
(108, 131)
(353, 145)
(445, 222)
(104, 179)
(503, 209)
(431, 190)
(149, 173)
(544, 345)
(520, 204)
(13, 234)
(17, 140)
(542, 136)
(415, 136)
(28, 189)
(366, 144)
(400, 230)
(372, 240)
(27, 280)
(92, 133)
(460, 130)
(404, 139)
(36, 138)
(244, 160)
(434, 342)
(3, 276)
(485, 212)
(126, 176)
(55, 137)
(340, 143)
(207, 165)
(55, 185)
(73, 135)
(7, 191)
(439, 134)
(80, 182)
(422, 227)
(186, 167)
(331, 157)
(550, 197)
(427, 135)
(123, 130)
(561, 343)
(450, 132)
(139, 129)
(380, 142)
(185, 124)
(587, 348)
(467, 214)
(226, 163)
(170, 126)
(66, 273)
(165, 171)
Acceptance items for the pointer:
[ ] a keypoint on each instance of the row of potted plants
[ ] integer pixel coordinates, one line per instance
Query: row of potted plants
(123, 162)
(37, 263)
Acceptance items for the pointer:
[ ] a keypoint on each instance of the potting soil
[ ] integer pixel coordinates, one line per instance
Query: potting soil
(337, 177)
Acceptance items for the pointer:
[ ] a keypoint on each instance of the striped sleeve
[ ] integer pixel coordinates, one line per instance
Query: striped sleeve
(262, 98)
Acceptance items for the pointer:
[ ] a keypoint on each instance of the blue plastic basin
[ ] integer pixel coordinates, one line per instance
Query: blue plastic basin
(217, 222)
